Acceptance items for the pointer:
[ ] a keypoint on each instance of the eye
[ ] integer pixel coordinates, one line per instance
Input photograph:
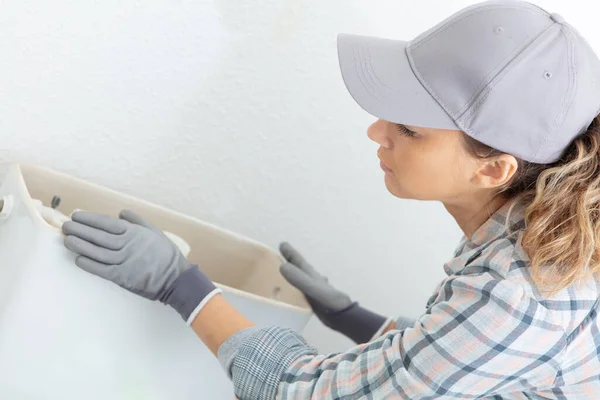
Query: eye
(405, 131)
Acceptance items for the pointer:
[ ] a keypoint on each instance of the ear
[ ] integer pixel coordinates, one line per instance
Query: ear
(496, 172)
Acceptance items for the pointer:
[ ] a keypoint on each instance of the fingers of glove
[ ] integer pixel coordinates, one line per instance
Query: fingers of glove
(296, 276)
(99, 221)
(95, 268)
(132, 217)
(294, 257)
(335, 300)
(95, 236)
(96, 253)
(313, 288)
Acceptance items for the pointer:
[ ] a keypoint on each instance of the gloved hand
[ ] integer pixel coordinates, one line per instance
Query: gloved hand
(334, 308)
(138, 257)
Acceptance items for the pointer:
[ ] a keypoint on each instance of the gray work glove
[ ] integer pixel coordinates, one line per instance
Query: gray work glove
(138, 257)
(333, 307)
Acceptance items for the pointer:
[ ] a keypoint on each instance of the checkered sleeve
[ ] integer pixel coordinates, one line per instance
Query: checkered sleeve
(402, 323)
(481, 337)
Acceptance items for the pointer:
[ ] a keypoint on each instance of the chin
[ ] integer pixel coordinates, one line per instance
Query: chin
(399, 191)
(395, 189)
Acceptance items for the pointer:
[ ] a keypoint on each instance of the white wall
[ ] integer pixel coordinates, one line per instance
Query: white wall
(233, 111)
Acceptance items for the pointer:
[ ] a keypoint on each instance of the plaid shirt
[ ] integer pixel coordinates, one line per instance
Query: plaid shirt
(487, 333)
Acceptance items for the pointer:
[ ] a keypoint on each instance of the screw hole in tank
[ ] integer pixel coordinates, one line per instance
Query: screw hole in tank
(276, 293)
(6, 206)
(55, 202)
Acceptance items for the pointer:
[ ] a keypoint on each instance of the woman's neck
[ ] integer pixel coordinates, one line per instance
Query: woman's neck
(471, 214)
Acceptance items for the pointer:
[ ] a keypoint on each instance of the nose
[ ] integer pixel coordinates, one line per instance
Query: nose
(377, 132)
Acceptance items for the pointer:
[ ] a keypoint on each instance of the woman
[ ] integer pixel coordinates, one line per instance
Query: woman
(493, 112)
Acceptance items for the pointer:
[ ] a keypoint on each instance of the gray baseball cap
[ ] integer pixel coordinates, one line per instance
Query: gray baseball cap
(505, 72)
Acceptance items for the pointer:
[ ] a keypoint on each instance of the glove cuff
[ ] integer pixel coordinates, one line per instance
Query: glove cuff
(189, 293)
(355, 322)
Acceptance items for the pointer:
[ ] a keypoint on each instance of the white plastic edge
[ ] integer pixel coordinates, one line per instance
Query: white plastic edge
(178, 241)
(17, 170)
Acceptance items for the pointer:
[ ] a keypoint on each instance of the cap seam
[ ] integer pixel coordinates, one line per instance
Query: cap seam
(375, 81)
(364, 75)
(361, 80)
(413, 46)
(371, 82)
(483, 95)
(498, 70)
(542, 10)
(367, 80)
(426, 85)
(561, 115)
(452, 21)
(373, 75)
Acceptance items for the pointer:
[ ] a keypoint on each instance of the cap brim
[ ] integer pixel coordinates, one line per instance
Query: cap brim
(379, 77)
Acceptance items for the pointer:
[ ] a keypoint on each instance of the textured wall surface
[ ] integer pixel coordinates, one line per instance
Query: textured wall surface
(233, 111)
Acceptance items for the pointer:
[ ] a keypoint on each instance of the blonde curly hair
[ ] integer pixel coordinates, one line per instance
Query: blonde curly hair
(562, 214)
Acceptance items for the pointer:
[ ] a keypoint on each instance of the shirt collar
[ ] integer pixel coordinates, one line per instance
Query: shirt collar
(508, 218)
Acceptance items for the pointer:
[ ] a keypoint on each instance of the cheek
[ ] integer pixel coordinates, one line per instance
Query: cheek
(424, 174)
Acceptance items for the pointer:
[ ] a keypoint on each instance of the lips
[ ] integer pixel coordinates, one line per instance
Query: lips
(385, 168)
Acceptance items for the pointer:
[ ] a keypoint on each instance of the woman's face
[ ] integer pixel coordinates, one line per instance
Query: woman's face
(425, 163)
